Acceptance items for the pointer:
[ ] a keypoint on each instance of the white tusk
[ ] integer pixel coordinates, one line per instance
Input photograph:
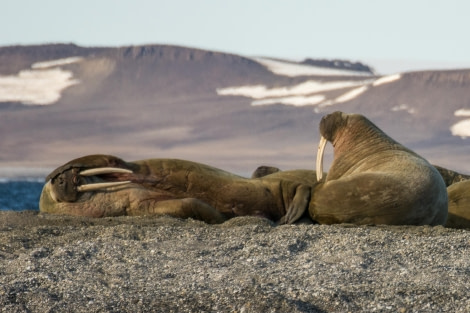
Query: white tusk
(321, 150)
(104, 170)
(51, 191)
(97, 186)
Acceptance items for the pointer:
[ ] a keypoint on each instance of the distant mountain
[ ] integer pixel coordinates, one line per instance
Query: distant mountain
(61, 101)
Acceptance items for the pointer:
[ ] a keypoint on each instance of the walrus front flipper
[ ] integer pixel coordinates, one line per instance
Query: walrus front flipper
(182, 208)
(298, 206)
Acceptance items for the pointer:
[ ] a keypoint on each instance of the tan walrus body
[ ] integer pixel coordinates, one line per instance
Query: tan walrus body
(458, 191)
(373, 179)
(103, 185)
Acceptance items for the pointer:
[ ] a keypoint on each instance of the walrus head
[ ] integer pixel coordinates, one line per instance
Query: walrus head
(329, 126)
(79, 175)
(352, 134)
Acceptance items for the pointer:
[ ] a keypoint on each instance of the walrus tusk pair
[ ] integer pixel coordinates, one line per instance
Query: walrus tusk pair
(101, 171)
(321, 151)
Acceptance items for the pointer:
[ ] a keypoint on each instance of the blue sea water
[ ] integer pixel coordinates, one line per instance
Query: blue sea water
(20, 195)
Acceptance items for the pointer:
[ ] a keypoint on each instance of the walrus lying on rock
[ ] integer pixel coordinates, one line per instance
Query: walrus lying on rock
(459, 205)
(104, 185)
(373, 179)
(458, 192)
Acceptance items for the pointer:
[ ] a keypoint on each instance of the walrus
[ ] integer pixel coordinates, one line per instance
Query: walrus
(458, 192)
(459, 205)
(373, 179)
(451, 177)
(105, 185)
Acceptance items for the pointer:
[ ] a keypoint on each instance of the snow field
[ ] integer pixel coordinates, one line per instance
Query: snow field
(40, 85)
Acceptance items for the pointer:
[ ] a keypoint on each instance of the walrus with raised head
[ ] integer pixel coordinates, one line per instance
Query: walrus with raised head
(373, 179)
(104, 185)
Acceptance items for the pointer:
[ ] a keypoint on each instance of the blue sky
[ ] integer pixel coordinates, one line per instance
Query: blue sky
(391, 36)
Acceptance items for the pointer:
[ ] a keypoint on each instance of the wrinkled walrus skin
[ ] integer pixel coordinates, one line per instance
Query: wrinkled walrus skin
(173, 187)
(373, 179)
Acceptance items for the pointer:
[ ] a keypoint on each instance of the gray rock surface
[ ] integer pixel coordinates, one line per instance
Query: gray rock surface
(135, 264)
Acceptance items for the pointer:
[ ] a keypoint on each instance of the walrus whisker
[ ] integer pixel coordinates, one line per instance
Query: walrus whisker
(321, 150)
(104, 170)
(98, 186)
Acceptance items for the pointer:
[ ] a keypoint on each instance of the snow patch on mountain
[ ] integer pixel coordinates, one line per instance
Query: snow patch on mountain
(462, 112)
(386, 79)
(40, 85)
(462, 128)
(305, 88)
(293, 69)
(403, 107)
(294, 100)
(310, 92)
(54, 63)
(351, 94)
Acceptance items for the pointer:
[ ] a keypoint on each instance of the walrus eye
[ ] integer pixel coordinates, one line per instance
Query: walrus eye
(61, 182)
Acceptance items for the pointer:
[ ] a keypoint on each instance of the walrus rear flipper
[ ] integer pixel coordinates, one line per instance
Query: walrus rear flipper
(182, 208)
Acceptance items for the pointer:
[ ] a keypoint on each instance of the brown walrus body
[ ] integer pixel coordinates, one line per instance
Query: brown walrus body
(103, 185)
(459, 205)
(373, 179)
(458, 191)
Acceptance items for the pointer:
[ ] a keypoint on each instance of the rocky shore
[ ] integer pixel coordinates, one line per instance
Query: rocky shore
(135, 264)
